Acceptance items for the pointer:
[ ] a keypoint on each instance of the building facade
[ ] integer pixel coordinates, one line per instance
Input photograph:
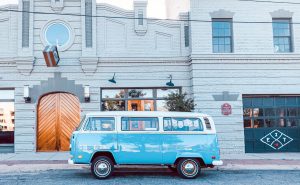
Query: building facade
(241, 67)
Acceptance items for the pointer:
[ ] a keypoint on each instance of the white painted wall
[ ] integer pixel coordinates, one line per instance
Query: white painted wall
(253, 67)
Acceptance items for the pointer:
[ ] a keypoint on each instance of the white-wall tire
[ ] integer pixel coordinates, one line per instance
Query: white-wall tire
(102, 167)
(188, 168)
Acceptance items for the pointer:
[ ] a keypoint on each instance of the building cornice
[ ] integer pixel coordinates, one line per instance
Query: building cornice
(144, 59)
(250, 58)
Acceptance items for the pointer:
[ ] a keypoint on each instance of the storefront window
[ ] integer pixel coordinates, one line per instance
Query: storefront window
(136, 99)
(7, 117)
(271, 111)
(113, 93)
(140, 93)
(161, 105)
(113, 105)
(162, 93)
(140, 105)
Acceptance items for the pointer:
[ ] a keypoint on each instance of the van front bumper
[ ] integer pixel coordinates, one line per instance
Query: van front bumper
(217, 162)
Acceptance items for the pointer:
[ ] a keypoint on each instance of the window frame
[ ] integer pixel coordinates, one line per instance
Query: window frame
(133, 131)
(87, 120)
(202, 128)
(126, 97)
(262, 106)
(290, 37)
(13, 120)
(230, 21)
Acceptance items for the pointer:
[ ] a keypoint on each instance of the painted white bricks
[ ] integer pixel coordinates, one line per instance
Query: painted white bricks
(147, 60)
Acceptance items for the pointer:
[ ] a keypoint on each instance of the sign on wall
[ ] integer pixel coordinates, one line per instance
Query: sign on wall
(276, 139)
(51, 56)
(226, 109)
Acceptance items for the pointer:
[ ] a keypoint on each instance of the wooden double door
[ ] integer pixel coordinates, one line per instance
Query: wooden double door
(58, 117)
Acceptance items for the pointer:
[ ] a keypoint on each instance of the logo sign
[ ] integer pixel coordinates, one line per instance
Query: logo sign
(51, 56)
(226, 109)
(276, 139)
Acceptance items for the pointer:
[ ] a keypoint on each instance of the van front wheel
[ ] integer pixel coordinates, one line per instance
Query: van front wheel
(188, 168)
(102, 167)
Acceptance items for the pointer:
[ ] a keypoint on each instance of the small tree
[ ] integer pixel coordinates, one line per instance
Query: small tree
(177, 102)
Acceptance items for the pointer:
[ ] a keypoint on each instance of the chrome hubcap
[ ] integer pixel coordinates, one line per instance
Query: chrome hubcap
(102, 168)
(189, 168)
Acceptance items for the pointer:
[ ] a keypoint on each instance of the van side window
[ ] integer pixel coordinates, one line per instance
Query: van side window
(207, 123)
(139, 124)
(182, 124)
(100, 124)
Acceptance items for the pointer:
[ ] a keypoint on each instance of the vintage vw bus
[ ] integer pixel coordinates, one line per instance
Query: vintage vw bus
(185, 142)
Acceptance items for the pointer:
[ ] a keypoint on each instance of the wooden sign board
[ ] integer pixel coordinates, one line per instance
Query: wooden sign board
(51, 56)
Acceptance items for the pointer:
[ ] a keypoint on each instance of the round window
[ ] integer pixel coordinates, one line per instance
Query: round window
(57, 34)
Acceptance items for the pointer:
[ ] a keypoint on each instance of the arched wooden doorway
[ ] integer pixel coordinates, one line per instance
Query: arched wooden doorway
(58, 116)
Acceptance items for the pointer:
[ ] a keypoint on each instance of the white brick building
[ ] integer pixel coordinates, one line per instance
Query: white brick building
(230, 56)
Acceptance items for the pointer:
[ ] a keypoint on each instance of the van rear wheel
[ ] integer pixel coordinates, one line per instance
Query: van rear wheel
(188, 168)
(102, 167)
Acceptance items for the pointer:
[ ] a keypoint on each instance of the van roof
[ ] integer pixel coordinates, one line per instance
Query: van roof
(147, 114)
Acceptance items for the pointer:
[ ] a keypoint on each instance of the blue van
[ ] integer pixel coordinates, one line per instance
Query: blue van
(185, 142)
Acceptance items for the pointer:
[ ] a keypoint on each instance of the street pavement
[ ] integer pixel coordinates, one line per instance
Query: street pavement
(56, 174)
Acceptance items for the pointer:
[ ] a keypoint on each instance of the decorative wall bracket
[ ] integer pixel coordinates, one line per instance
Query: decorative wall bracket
(57, 5)
(89, 65)
(25, 64)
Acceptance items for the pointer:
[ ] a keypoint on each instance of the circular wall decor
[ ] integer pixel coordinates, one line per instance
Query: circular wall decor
(57, 33)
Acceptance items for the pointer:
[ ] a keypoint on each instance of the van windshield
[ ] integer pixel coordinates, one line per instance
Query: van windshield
(81, 123)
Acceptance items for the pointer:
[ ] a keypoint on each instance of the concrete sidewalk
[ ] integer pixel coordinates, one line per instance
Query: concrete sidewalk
(271, 161)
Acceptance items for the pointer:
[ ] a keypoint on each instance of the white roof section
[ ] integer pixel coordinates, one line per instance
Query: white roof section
(147, 114)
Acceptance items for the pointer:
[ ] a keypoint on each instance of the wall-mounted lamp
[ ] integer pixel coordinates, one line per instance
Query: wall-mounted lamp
(26, 94)
(170, 83)
(113, 79)
(87, 93)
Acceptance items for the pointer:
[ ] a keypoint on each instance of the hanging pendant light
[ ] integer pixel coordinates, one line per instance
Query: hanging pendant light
(170, 83)
(113, 79)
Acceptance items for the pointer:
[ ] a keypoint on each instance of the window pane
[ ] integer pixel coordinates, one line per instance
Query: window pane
(247, 112)
(247, 102)
(268, 102)
(258, 123)
(257, 102)
(139, 124)
(269, 112)
(140, 105)
(282, 123)
(140, 93)
(292, 112)
(182, 124)
(271, 122)
(215, 49)
(113, 93)
(258, 112)
(57, 34)
(282, 35)
(162, 93)
(161, 105)
(281, 112)
(279, 101)
(7, 122)
(113, 105)
(221, 32)
(291, 101)
(247, 123)
(101, 124)
(292, 122)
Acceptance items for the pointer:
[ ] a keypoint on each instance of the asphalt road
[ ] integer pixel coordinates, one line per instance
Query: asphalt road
(160, 177)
